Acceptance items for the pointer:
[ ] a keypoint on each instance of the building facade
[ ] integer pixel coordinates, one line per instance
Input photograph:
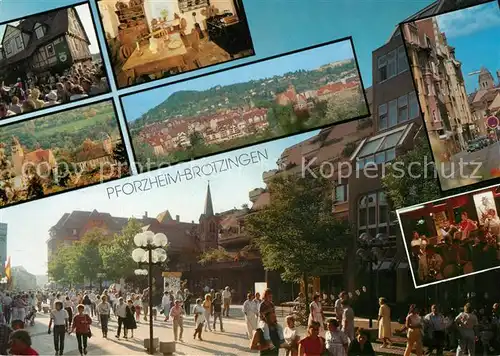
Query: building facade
(440, 84)
(485, 101)
(22, 280)
(49, 42)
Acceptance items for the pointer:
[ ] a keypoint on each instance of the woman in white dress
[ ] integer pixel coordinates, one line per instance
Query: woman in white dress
(165, 302)
(316, 313)
(336, 342)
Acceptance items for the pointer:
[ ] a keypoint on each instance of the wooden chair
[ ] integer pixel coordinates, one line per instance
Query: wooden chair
(193, 51)
(125, 52)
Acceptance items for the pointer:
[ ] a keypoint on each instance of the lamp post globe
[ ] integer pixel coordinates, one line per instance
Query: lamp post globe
(160, 240)
(139, 239)
(139, 255)
(149, 236)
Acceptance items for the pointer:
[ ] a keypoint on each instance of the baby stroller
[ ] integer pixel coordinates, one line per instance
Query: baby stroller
(30, 316)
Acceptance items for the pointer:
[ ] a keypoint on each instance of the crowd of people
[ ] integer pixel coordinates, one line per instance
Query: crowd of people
(79, 81)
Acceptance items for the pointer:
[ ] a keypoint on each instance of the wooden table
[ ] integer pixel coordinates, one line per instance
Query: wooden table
(148, 63)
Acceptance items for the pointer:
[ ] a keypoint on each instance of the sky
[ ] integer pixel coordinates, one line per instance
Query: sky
(475, 34)
(277, 26)
(312, 59)
(85, 17)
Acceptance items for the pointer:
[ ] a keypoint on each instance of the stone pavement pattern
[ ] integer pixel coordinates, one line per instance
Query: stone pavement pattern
(232, 342)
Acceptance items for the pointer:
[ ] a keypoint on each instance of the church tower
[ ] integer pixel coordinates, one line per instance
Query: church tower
(485, 79)
(17, 156)
(209, 224)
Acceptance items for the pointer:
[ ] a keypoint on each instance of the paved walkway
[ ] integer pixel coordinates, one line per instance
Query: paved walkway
(232, 342)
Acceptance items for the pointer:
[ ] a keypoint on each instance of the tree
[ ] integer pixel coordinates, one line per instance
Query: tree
(35, 187)
(120, 153)
(116, 252)
(342, 108)
(412, 178)
(89, 260)
(62, 267)
(297, 233)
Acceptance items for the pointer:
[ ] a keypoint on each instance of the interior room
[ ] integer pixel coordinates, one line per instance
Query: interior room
(155, 39)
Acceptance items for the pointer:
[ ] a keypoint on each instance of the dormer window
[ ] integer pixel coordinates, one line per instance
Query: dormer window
(39, 30)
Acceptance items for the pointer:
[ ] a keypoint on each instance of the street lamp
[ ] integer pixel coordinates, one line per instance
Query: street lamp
(151, 251)
(370, 252)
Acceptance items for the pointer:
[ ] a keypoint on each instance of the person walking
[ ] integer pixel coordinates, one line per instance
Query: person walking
(87, 304)
(316, 313)
(199, 319)
(7, 307)
(187, 301)
(59, 319)
(467, 323)
(138, 306)
(68, 306)
(250, 315)
(121, 312)
(348, 320)
(226, 298)
(177, 315)
(384, 323)
(145, 303)
(217, 310)
(434, 327)
(130, 323)
(413, 324)
(165, 302)
(81, 327)
(336, 342)
(103, 310)
(207, 305)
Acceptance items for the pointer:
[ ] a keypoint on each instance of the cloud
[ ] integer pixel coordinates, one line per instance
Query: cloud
(468, 21)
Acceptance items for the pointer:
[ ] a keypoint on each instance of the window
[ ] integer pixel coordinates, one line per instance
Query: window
(391, 64)
(382, 68)
(402, 60)
(50, 50)
(74, 231)
(39, 31)
(373, 214)
(341, 193)
(393, 113)
(413, 104)
(403, 108)
(19, 42)
(382, 116)
(428, 41)
(8, 50)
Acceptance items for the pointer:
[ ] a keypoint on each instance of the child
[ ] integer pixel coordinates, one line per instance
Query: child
(336, 341)
(199, 318)
(291, 336)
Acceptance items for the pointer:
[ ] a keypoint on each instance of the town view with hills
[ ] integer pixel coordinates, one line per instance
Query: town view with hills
(190, 124)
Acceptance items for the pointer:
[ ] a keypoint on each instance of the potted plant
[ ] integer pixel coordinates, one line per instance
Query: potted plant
(164, 14)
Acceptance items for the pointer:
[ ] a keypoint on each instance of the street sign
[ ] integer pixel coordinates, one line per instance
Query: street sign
(492, 122)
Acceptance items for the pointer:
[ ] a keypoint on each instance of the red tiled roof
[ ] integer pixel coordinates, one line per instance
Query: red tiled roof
(38, 156)
(335, 87)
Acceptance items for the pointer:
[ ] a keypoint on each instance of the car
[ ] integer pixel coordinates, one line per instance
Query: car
(474, 145)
